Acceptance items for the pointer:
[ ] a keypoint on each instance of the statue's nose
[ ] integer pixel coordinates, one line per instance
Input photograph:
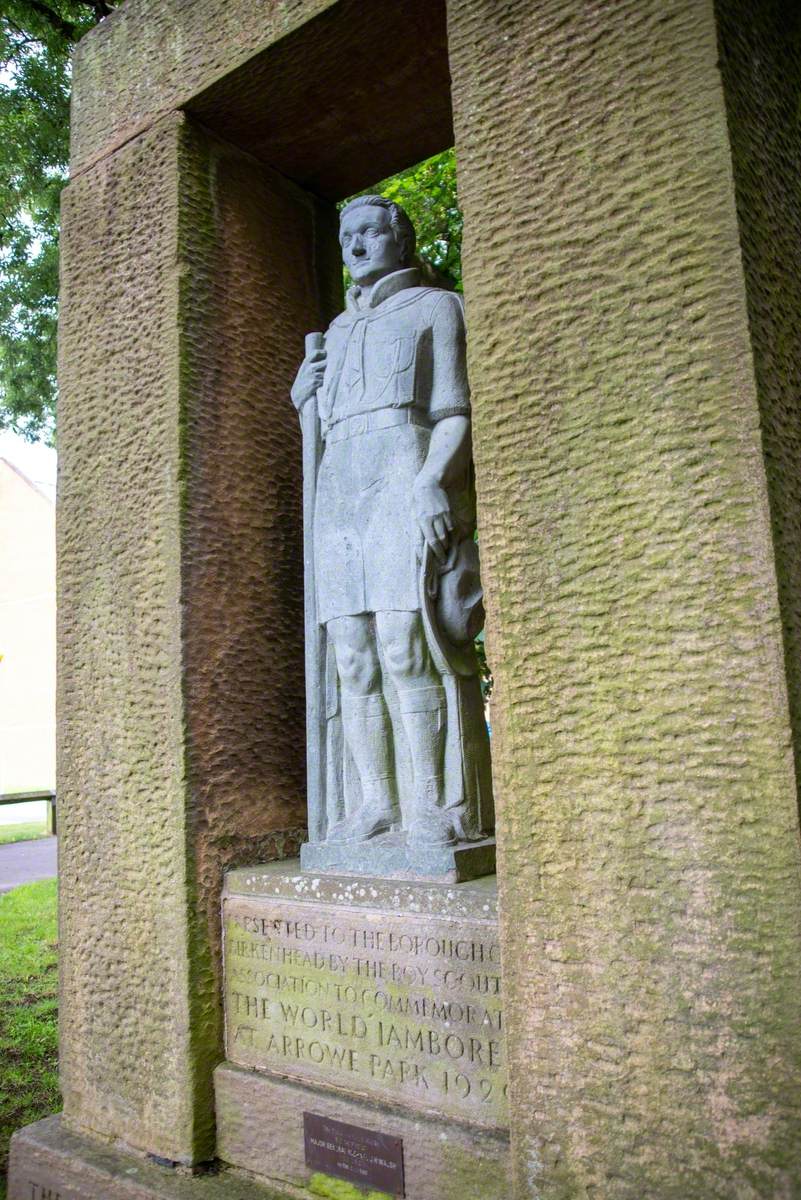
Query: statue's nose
(357, 247)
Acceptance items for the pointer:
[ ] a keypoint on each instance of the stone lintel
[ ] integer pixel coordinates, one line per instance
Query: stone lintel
(113, 99)
(274, 79)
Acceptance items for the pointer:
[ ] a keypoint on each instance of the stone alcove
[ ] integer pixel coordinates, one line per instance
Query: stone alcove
(640, 603)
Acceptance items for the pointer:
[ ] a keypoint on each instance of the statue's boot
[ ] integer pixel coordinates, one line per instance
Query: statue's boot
(424, 713)
(369, 819)
(434, 825)
(431, 824)
(367, 733)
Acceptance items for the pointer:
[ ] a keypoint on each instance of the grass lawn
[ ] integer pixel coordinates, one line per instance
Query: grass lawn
(28, 1009)
(22, 833)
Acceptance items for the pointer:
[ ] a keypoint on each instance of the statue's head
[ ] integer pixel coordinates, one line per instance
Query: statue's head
(376, 237)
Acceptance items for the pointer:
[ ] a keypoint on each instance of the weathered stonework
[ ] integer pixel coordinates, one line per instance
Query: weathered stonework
(380, 1001)
(272, 78)
(186, 47)
(642, 738)
(260, 1128)
(633, 358)
(181, 722)
(49, 1162)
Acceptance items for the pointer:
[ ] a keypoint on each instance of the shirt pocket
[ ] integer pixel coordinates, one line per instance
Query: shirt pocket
(393, 362)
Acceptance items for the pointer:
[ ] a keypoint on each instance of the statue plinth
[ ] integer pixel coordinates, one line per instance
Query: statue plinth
(390, 855)
(375, 1003)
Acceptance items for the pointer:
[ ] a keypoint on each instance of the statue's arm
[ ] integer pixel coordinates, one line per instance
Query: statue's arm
(449, 451)
(450, 447)
(447, 459)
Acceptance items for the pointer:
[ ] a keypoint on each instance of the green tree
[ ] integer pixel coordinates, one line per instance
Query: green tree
(428, 194)
(36, 41)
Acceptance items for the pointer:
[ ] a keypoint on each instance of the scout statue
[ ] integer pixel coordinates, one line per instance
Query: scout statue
(398, 750)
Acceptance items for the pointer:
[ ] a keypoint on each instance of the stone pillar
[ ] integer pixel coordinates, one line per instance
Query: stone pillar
(647, 810)
(189, 276)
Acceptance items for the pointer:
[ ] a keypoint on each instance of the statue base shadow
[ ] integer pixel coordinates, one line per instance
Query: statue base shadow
(389, 856)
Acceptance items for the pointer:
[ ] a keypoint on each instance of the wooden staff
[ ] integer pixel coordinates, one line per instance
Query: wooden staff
(315, 634)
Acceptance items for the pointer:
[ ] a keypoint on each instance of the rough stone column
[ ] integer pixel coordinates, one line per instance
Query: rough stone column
(760, 59)
(189, 277)
(649, 851)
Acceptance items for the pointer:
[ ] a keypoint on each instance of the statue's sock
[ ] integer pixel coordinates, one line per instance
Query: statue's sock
(367, 733)
(424, 715)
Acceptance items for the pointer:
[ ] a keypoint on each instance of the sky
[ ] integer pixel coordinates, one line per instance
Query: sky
(34, 459)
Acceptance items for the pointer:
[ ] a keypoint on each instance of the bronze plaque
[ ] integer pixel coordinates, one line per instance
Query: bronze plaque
(358, 1155)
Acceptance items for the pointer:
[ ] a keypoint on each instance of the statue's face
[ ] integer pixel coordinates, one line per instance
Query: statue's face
(369, 249)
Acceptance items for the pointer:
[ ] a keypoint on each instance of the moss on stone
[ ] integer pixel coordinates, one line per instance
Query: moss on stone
(321, 1184)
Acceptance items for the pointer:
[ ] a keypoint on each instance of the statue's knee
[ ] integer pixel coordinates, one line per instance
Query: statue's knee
(406, 657)
(358, 669)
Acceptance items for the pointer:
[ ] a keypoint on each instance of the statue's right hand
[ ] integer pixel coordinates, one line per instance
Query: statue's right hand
(308, 379)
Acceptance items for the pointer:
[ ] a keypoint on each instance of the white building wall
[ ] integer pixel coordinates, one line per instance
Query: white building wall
(27, 639)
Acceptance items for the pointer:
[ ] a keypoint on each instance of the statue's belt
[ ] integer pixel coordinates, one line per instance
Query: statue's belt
(369, 422)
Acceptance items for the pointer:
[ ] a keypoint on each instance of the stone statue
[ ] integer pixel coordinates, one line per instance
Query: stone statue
(399, 775)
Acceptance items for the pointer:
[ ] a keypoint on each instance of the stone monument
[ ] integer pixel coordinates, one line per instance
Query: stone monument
(363, 993)
(398, 750)
(629, 178)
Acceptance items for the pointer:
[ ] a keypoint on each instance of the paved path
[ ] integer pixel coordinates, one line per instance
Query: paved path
(23, 862)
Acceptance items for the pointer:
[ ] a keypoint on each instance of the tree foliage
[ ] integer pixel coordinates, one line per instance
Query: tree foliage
(36, 40)
(428, 194)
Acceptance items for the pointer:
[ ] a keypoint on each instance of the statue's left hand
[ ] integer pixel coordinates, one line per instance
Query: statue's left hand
(432, 508)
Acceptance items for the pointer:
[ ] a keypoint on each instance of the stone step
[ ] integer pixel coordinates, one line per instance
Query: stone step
(50, 1162)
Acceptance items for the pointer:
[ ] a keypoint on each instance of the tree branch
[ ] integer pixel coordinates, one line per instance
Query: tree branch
(67, 29)
(101, 8)
(23, 40)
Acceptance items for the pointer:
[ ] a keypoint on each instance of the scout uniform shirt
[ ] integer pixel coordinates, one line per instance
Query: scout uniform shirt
(393, 369)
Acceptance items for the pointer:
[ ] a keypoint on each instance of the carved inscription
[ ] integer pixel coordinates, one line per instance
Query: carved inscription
(38, 1192)
(403, 1008)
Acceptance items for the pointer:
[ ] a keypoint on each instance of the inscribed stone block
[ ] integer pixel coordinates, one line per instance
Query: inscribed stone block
(367, 1000)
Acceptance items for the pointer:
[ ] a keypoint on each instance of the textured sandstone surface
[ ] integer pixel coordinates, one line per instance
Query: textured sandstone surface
(181, 661)
(49, 1162)
(333, 95)
(642, 744)
(260, 1128)
(151, 56)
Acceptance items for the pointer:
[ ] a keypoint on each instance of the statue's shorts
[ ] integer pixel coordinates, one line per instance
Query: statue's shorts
(367, 544)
